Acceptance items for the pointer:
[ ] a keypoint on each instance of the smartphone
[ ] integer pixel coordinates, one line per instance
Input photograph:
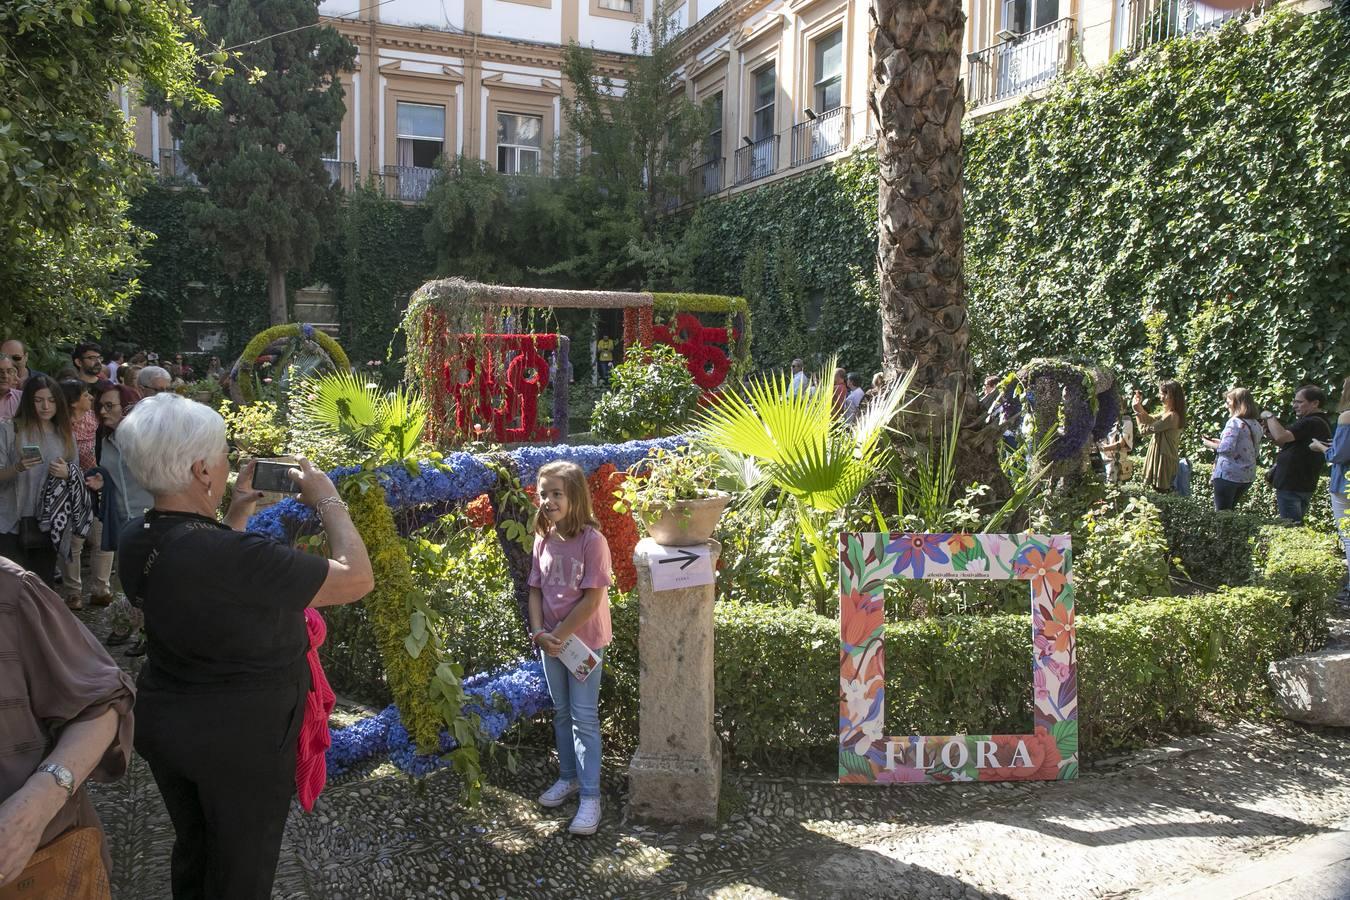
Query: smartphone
(31, 453)
(272, 476)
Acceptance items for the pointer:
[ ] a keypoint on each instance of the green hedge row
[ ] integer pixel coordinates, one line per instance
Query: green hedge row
(1152, 667)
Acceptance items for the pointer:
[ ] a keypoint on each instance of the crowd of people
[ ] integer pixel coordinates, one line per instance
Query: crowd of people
(231, 692)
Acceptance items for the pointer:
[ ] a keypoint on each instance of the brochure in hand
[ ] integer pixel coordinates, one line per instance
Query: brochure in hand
(579, 659)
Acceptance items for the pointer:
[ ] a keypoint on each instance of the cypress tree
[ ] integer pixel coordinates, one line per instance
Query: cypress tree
(259, 155)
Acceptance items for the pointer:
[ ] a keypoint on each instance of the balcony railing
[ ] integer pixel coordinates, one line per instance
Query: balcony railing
(1143, 23)
(757, 160)
(822, 136)
(173, 167)
(343, 174)
(1015, 67)
(707, 179)
(408, 182)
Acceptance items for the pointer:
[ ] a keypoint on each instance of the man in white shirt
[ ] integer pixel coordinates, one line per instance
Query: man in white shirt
(853, 402)
(798, 386)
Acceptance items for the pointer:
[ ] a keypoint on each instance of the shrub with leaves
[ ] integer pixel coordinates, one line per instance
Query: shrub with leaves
(651, 395)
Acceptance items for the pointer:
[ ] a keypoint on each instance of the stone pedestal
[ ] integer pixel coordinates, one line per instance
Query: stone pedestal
(676, 774)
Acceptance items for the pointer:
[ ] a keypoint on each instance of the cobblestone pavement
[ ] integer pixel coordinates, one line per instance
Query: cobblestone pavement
(1131, 827)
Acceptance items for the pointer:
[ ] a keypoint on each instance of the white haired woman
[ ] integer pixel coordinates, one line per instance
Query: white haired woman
(222, 694)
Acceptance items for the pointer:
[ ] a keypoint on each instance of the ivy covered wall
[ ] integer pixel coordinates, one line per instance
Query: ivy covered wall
(802, 252)
(1185, 214)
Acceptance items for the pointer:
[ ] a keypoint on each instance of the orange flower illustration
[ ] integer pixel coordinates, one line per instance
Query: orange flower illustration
(1044, 569)
(1059, 628)
(959, 542)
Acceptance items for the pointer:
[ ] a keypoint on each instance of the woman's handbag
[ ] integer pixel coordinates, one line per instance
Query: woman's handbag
(69, 868)
(31, 535)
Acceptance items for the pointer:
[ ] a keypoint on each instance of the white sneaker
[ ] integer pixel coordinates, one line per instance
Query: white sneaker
(559, 793)
(587, 819)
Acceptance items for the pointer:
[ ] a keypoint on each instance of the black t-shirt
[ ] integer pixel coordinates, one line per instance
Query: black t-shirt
(223, 609)
(1298, 466)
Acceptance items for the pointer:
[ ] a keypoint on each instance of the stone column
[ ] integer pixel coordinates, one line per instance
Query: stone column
(676, 774)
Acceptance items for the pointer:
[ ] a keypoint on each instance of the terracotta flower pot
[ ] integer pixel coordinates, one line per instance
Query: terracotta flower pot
(686, 522)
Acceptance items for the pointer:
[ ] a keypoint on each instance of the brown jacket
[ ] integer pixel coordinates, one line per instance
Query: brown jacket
(53, 672)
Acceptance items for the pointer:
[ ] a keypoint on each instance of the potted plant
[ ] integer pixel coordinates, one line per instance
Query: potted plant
(671, 493)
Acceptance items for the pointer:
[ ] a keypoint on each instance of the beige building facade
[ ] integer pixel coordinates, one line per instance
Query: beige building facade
(787, 79)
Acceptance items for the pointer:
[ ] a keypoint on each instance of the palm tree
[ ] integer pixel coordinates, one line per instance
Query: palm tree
(917, 99)
(792, 441)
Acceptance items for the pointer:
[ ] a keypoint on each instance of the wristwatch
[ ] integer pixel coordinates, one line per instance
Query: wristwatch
(62, 775)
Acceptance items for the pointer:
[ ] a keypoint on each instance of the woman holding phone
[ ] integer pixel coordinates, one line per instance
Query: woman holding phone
(36, 445)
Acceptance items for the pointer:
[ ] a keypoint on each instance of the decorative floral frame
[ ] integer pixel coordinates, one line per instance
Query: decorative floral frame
(241, 375)
(866, 755)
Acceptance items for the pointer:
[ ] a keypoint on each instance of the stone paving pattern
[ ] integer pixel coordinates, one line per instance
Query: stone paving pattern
(1129, 827)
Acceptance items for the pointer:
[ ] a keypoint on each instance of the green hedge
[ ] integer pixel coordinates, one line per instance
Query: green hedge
(1212, 548)
(1306, 566)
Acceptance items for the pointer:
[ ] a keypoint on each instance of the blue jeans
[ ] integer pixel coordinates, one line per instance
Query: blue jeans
(1293, 505)
(1228, 493)
(576, 723)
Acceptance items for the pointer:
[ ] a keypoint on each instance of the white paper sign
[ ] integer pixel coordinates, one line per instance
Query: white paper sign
(679, 567)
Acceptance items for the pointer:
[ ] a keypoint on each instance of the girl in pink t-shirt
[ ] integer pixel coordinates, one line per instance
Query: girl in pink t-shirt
(569, 595)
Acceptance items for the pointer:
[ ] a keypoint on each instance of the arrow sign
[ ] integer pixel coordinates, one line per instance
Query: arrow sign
(684, 557)
(677, 567)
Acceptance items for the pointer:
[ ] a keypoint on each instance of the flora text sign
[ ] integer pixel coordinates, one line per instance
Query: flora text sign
(866, 561)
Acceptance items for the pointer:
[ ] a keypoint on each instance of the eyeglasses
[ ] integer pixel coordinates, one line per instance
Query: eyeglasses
(18, 357)
(109, 407)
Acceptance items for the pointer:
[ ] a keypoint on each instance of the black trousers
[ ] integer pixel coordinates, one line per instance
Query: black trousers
(41, 562)
(225, 765)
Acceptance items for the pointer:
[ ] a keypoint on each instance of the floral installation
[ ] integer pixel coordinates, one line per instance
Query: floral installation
(619, 529)
(737, 313)
(866, 754)
(499, 698)
(241, 375)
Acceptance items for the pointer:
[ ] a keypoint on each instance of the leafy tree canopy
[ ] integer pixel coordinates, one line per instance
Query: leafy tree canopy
(67, 165)
(259, 150)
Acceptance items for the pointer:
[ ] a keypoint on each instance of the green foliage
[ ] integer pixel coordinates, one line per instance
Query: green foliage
(1260, 497)
(67, 167)
(651, 394)
(1173, 665)
(802, 449)
(503, 229)
(642, 137)
(1307, 567)
(1179, 213)
(666, 477)
(256, 429)
(259, 151)
(1122, 556)
(422, 681)
(1211, 548)
(802, 253)
(387, 425)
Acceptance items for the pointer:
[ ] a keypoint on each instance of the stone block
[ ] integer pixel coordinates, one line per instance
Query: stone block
(671, 787)
(1314, 689)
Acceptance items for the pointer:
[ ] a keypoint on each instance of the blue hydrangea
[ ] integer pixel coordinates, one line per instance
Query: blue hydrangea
(500, 698)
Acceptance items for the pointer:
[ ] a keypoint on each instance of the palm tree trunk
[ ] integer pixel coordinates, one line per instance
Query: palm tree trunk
(917, 99)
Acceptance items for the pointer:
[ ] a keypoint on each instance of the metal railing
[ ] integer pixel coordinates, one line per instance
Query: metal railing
(173, 167)
(1143, 23)
(822, 136)
(757, 160)
(408, 182)
(707, 179)
(1017, 66)
(343, 174)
